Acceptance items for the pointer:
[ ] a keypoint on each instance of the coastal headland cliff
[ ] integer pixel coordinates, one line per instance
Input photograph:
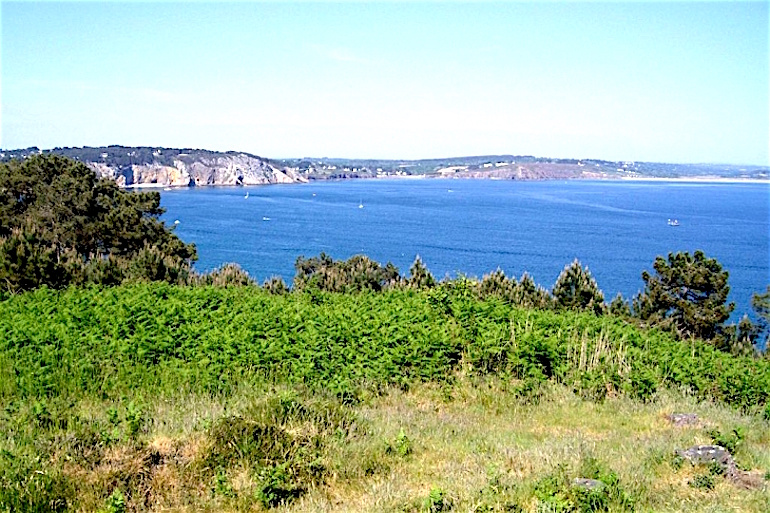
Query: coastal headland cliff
(172, 167)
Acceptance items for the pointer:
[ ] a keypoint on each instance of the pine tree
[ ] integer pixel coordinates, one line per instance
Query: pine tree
(619, 307)
(60, 224)
(687, 295)
(496, 284)
(419, 276)
(576, 289)
(526, 293)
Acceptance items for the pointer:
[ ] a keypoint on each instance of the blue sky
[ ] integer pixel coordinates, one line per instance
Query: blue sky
(675, 82)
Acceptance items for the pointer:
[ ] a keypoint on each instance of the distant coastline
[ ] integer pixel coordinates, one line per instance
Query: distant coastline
(160, 168)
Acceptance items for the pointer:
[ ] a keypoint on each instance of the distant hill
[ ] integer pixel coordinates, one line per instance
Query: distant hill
(170, 167)
(173, 167)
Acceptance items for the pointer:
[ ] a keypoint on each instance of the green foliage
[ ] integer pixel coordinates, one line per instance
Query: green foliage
(761, 305)
(437, 500)
(527, 294)
(275, 486)
(155, 337)
(496, 284)
(576, 289)
(59, 224)
(275, 285)
(524, 293)
(229, 275)
(702, 482)
(116, 503)
(747, 338)
(222, 484)
(688, 296)
(41, 414)
(134, 420)
(287, 460)
(419, 276)
(113, 416)
(619, 307)
(730, 441)
(29, 485)
(561, 491)
(402, 445)
(358, 273)
(643, 383)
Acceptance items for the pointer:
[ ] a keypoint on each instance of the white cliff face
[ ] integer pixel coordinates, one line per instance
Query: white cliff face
(161, 175)
(226, 169)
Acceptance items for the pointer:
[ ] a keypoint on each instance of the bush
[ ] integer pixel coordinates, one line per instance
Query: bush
(730, 441)
(229, 275)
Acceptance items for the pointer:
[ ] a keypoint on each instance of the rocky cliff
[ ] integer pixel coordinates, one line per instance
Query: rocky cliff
(187, 170)
(169, 167)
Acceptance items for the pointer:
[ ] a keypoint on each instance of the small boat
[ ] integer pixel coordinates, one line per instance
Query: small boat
(673, 222)
(265, 218)
(176, 222)
(247, 196)
(167, 189)
(361, 204)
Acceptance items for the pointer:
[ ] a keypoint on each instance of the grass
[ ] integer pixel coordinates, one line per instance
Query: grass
(151, 398)
(473, 446)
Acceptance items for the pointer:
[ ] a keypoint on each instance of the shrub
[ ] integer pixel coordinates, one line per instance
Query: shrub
(116, 503)
(730, 441)
(275, 285)
(402, 445)
(702, 482)
(437, 500)
(276, 487)
(229, 275)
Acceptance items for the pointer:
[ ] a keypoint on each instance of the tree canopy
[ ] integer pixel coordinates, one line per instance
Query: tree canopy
(576, 289)
(60, 224)
(356, 274)
(686, 294)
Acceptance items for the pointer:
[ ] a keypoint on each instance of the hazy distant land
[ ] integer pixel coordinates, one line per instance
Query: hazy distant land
(172, 167)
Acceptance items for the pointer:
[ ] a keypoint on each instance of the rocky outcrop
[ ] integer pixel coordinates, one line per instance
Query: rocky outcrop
(684, 419)
(214, 169)
(720, 458)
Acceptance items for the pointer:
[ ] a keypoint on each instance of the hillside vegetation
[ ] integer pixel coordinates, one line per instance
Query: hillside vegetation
(154, 396)
(129, 382)
(131, 165)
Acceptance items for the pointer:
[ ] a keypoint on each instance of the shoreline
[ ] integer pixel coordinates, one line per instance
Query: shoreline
(651, 179)
(696, 179)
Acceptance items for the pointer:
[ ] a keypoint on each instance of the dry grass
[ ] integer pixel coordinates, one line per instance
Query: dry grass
(482, 446)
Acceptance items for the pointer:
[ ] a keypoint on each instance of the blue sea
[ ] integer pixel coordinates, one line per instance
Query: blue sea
(476, 226)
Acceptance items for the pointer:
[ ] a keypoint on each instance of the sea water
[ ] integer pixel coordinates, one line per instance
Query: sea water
(616, 228)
